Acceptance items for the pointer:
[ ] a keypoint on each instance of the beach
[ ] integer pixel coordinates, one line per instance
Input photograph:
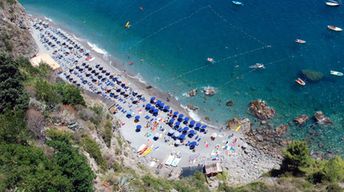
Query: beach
(147, 122)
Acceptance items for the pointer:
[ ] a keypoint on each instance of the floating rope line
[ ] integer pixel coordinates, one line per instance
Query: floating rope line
(273, 62)
(219, 61)
(169, 25)
(235, 27)
(154, 12)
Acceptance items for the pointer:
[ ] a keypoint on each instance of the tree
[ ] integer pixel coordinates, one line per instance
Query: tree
(70, 94)
(12, 128)
(296, 158)
(46, 92)
(12, 94)
(334, 170)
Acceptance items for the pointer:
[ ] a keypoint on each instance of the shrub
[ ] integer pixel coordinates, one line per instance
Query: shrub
(91, 147)
(69, 94)
(296, 158)
(334, 170)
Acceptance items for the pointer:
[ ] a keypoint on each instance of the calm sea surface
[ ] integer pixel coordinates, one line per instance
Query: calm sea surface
(170, 40)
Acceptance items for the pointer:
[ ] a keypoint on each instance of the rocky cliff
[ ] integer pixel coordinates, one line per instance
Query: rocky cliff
(15, 38)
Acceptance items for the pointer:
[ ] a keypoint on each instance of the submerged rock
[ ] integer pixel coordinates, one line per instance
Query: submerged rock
(302, 119)
(281, 130)
(229, 103)
(312, 75)
(209, 91)
(261, 110)
(192, 107)
(192, 93)
(321, 118)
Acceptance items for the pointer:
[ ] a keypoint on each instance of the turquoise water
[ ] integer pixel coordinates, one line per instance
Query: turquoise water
(169, 42)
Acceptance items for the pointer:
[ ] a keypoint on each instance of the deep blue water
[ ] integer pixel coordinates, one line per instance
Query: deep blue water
(174, 38)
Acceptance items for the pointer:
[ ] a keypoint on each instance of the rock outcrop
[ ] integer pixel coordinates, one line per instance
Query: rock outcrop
(15, 37)
(261, 110)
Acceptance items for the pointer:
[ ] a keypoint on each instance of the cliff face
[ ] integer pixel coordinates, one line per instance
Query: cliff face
(15, 37)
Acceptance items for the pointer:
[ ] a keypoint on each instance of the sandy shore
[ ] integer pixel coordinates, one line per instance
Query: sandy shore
(243, 162)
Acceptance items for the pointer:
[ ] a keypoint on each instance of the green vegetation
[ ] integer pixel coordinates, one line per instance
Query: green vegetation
(23, 166)
(91, 147)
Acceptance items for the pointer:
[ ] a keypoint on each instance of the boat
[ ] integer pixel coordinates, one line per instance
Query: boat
(127, 25)
(210, 60)
(257, 66)
(300, 82)
(336, 73)
(300, 41)
(332, 3)
(237, 3)
(334, 28)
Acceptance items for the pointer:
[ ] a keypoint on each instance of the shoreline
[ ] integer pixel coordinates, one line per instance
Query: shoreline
(136, 79)
(244, 161)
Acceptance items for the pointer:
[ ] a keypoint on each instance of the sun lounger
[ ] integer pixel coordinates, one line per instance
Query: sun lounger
(169, 160)
(176, 161)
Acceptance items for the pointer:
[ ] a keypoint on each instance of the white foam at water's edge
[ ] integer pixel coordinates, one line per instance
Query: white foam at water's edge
(138, 77)
(48, 19)
(96, 48)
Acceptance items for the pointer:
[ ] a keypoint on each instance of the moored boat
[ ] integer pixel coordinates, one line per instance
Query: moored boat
(300, 82)
(334, 28)
(237, 3)
(210, 60)
(332, 3)
(257, 66)
(300, 41)
(336, 73)
(127, 25)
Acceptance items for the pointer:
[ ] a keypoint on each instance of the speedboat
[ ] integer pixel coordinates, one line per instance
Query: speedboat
(257, 66)
(334, 28)
(210, 60)
(237, 3)
(300, 82)
(332, 3)
(127, 25)
(300, 41)
(336, 73)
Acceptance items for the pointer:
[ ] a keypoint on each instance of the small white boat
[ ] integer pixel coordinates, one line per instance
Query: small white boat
(332, 3)
(300, 41)
(257, 66)
(300, 82)
(210, 60)
(127, 25)
(237, 3)
(334, 28)
(336, 73)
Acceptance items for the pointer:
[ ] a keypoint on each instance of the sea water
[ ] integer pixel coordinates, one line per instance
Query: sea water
(170, 40)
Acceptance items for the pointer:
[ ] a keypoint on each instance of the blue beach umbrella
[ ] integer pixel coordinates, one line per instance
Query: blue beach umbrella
(138, 128)
(137, 117)
(176, 125)
(175, 113)
(148, 106)
(152, 100)
(203, 128)
(166, 108)
(180, 117)
(186, 120)
(155, 112)
(197, 126)
(191, 133)
(192, 123)
(182, 137)
(185, 129)
(170, 122)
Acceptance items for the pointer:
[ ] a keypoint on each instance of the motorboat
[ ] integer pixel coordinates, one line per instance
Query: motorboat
(332, 3)
(300, 41)
(336, 73)
(127, 25)
(300, 82)
(210, 60)
(237, 3)
(257, 66)
(334, 28)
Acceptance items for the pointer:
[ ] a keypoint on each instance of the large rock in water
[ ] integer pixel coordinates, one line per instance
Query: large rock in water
(312, 75)
(261, 110)
(321, 118)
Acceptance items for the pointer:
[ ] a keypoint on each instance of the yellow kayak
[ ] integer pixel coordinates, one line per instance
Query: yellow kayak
(238, 128)
(147, 152)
